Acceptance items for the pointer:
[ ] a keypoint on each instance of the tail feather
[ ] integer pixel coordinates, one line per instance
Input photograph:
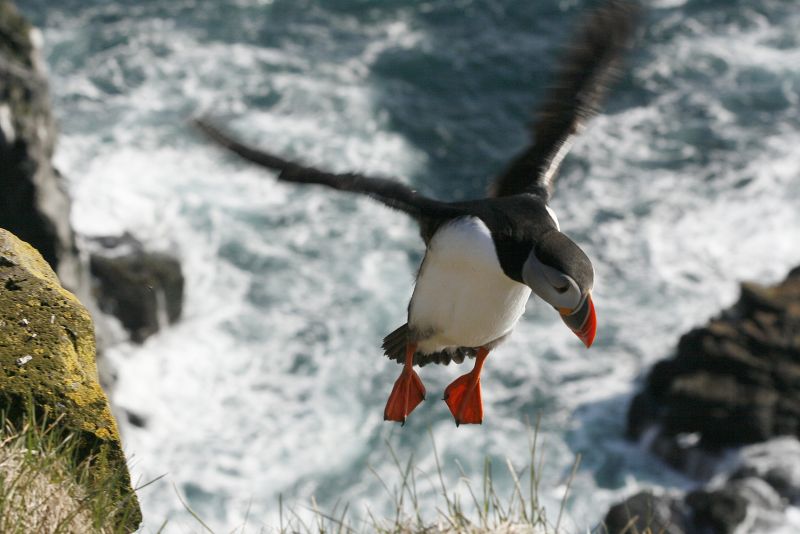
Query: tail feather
(394, 346)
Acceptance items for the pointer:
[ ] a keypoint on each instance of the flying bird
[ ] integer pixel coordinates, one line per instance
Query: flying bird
(484, 257)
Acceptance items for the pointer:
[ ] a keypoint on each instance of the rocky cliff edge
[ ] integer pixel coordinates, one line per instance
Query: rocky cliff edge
(47, 359)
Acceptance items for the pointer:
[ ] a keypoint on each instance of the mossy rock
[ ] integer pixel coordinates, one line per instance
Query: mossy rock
(47, 356)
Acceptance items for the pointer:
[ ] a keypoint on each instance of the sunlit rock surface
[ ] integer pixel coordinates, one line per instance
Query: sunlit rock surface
(47, 356)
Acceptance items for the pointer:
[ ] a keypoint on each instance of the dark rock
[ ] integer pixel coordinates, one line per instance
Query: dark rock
(136, 419)
(709, 404)
(729, 505)
(734, 381)
(682, 452)
(718, 511)
(33, 204)
(757, 492)
(659, 513)
(776, 462)
(144, 290)
(766, 510)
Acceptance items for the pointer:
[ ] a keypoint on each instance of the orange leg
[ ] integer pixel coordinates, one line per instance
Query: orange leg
(463, 396)
(408, 390)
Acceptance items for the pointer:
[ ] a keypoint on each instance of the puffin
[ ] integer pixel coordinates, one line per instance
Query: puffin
(484, 257)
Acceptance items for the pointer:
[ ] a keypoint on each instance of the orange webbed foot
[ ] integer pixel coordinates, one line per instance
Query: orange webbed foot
(406, 395)
(463, 397)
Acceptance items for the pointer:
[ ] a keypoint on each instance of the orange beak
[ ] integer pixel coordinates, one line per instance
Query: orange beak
(582, 321)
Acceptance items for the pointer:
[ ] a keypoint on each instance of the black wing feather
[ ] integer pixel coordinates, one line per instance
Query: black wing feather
(589, 66)
(390, 192)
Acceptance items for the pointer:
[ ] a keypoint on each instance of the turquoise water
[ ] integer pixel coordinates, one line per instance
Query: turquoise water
(273, 383)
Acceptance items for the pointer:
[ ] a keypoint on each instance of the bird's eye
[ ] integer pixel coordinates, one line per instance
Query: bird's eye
(561, 284)
(562, 289)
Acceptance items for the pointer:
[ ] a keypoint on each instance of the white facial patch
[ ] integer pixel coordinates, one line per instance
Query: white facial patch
(551, 285)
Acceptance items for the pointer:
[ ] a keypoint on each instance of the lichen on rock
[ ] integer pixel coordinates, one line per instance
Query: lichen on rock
(47, 355)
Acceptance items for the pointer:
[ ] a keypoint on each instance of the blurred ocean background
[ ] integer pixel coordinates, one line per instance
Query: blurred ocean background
(273, 384)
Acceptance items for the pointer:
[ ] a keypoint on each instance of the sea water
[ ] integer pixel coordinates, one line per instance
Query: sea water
(272, 386)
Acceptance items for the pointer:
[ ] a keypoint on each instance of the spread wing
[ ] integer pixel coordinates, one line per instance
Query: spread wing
(588, 67)
(390, 192)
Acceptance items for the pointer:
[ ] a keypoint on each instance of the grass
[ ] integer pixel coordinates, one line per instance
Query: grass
(47, 483)
(465, 508)
(485, 510)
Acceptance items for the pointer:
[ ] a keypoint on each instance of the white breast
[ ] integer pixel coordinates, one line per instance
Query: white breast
(462, 297)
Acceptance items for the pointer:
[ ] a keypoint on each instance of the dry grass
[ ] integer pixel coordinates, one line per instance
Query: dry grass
(45, 488)
(467, 508)
(36, 498)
